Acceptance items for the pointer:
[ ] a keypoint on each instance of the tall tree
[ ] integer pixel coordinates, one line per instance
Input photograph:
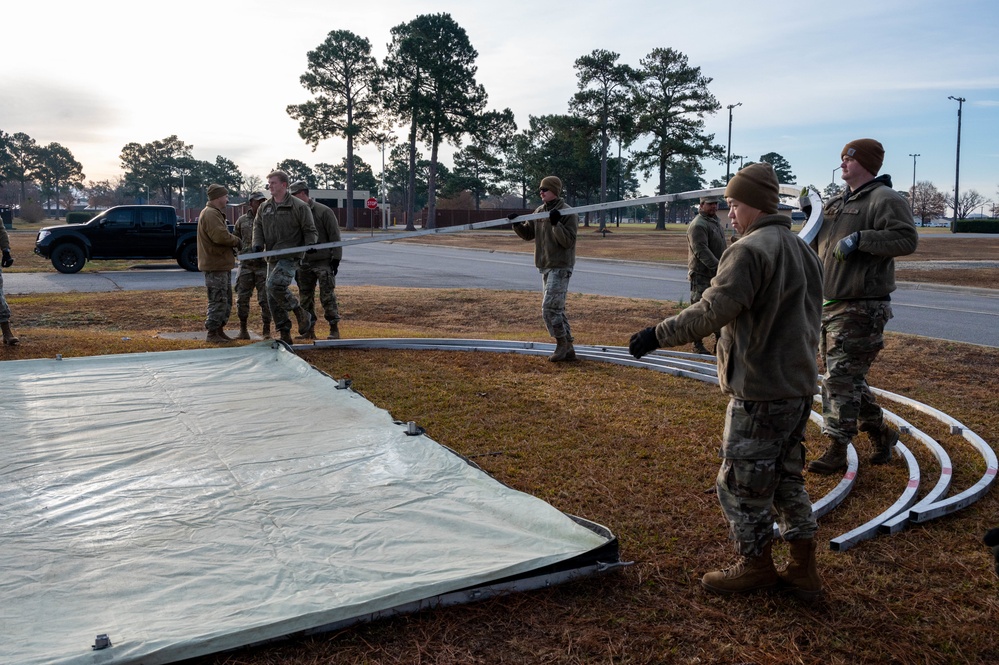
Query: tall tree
(671, 102)
(478, 167)
(23, 160)
(604, 92)
(156, 165)
(298, 170)
(566, 146)
(325, 175)
(515, 171)
(346, 81)
(781, 167)
(364, 177)
(441, 96)
(60, 170)
(403, 74)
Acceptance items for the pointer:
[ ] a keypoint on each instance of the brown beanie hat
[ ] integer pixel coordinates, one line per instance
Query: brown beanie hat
(552, 184)
(216, 191)
(756, 186)
(870, 154)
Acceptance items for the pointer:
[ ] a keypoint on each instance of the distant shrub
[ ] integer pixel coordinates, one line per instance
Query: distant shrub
(31, 212)
(79, 217)
(977, 226)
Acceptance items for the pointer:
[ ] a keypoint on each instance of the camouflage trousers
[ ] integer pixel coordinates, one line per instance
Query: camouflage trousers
(698, 285)
(219, 285)
(280, 298)
(4, 309)
(852, 336)
(252, 277)
(556, 287)
(760, 475)
(308, 277)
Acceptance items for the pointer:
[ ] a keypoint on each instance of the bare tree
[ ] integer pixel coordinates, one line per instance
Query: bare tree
(970, 199)
(927, 201)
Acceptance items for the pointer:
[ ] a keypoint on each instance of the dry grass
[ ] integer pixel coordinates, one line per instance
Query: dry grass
(633, 450)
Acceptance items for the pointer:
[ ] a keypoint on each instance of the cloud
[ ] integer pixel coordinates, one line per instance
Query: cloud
(48, 112)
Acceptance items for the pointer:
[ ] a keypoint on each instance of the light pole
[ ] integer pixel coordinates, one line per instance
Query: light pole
(957, 168)
(912, 196)
(832, 180)
(728, 152)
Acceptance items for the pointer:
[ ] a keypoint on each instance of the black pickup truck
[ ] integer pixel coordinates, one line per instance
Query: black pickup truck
(122, 232)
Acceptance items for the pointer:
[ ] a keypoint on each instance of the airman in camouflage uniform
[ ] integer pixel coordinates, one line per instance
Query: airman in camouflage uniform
(863, 230)
(252, 272)
(554, 257)
(705, 244)
(767, 300)
(8, 336)
(283, 222)
(216, 259)
(320, 267)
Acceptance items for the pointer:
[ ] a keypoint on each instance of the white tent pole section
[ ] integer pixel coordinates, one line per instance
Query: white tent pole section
(808, 231)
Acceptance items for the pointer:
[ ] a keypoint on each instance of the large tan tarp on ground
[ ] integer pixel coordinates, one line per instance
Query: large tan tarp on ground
(189, 502)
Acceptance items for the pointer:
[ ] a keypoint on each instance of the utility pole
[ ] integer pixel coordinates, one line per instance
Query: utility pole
(912, 196)
(728, 152)
(957, 168)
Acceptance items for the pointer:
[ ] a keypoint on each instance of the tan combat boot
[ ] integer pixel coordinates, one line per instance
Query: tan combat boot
(266, 332)
(800, 576)
(833, 460)
(244, 333)
(563, 350)
(748, 574)
(216, 336)
(884, 439)
(8, 336)
(334, 330)
(700, 348)
(286, 337)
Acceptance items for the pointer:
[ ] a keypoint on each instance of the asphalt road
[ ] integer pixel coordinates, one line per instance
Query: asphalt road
(951, 313)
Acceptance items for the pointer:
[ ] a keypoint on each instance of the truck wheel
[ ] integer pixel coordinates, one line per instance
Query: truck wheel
(188, 257)
(68, 258)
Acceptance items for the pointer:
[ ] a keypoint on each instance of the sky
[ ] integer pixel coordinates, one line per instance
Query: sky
(810, 76)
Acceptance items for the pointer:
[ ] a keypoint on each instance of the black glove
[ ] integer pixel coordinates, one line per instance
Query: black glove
(554, 217)
(8, 260)
(642, 342)
(335, 265)
(512, 216)
(311, 250)
(846, 246)
(257, 249)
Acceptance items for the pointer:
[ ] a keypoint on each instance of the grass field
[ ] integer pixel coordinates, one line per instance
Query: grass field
(633, 450)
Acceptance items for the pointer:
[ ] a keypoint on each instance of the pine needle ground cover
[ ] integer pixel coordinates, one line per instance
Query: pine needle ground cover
(634, 450)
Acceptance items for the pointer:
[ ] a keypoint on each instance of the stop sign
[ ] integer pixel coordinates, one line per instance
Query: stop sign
(371, 203)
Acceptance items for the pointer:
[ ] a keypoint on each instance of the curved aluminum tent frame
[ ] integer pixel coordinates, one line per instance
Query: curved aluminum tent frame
(701, 368)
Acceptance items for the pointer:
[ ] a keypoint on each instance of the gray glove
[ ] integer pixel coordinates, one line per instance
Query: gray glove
(804, 202)
(847, 246)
